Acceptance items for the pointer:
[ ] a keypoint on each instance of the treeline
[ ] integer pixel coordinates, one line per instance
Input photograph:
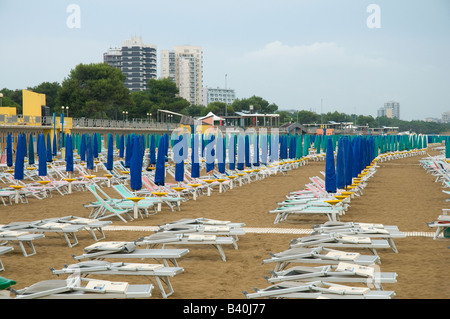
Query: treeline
(98, 91)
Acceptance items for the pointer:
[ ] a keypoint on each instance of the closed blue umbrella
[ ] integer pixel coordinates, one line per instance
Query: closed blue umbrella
(49, 149)
(210, 154)
(9, 151)
(31, 160)
(241, 153)
(110, 155)
(348, 161)
(232, 153)
(69, 154)
(20, 157)
(128, 151)
(340, 165)
(121, 146)
(136, 165)
(160, 167)
(54, 146)
(89, 153)
(195, 157)
(292, 147)
(42, 156)
(274, 147)
(180, 148)
(247, 151)
(356, 156)
(264, 149)
(330, 171)
(220, 154)
(83, 148)
(152, 151)
(256, 151)
(95, 145)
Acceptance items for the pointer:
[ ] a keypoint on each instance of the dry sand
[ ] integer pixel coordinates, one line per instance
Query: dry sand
(400, 193)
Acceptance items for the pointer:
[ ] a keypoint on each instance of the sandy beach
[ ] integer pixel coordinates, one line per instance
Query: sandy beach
(400, 193)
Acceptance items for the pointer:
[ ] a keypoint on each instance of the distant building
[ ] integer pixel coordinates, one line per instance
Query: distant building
(391, 110)
(210, 95)
(446, 117)
(184, 66)
(136, 60)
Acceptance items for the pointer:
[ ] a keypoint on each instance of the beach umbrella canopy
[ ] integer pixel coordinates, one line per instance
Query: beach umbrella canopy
(241, 153)
(264, 149)
(256, 150)
(340, 165)
(121, 146)
(330, 171)
(128, 151)
(247, 151)
(69, 154)
(54, 146)
(49, 149)
(348, 161)
(110, 154)
(83, 148)
(220, 153)
(292, 147)
(447, 148)
(31, 150)
(42, 156)
(9, 151)
(89, 153)
(195, 157)
(95, 145)
(20, 157)
(136, 164)
(160, 167)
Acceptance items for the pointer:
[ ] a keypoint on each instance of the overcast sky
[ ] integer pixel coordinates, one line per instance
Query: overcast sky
(319, 55)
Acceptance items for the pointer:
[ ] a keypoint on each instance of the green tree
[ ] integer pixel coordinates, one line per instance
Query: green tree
(259, 104)
(164, 94)
(95, 91)
(307, 117)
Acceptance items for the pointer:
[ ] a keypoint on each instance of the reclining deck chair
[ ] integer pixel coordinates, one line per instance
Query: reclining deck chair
(4, 250)
(103, 209)
(441, 224)
(341, 273)
(159, 272)
(318, 255)
(72, 288)
(336, 240)
(388, 232)
(22, 237)
(127, 250)
(163, 239)
(316, 290)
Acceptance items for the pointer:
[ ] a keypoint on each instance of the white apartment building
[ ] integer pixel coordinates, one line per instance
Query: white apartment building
(210, 95)
(391, 110)
(183, 65)
(138, 61)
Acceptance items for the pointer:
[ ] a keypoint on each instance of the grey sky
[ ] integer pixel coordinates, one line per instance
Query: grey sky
(292, 53)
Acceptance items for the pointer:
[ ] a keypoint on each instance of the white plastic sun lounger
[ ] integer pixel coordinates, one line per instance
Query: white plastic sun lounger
(342, 273)
(318, 255)
(336, 240)
(22, 237)
(92, 225)
(164, 239)
(317, 290)
(388, 232)
(4, 250)
(127, 250)
(71, 288)
(159, 272)
(283, 212)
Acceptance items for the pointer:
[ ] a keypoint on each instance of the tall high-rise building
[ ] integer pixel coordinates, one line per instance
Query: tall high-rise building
(391, 110)
(183, 65)
(136, 60)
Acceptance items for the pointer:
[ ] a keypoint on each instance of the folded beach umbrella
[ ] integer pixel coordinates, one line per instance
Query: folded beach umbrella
(152, 150)
(210, 154)
(69, 154)
(348, 161)
(9, 150)
(195, 157)
(128, 151)
(292, 145)
(83, 148)
(42, 156)
(306, 144)
(264, 149)
(256, 150)
(49, 149)
(95, 145)
(89, 153)
(247, 151)
(31, 160)
(340, 165)
(54, 146)
(179, 150)
(110, 154)
(356, 155)
(121, 146)
(298, 147)
(232, 153)
(20, 158)
(330, 171)
(274, 147)
(160, 167)
(136, 164)
(241, 153)
(220, 154)
(447, 148)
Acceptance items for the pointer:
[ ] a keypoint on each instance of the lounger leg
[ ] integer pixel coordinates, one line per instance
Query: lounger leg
(75, 239)
(221, 252)
(30, 244)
